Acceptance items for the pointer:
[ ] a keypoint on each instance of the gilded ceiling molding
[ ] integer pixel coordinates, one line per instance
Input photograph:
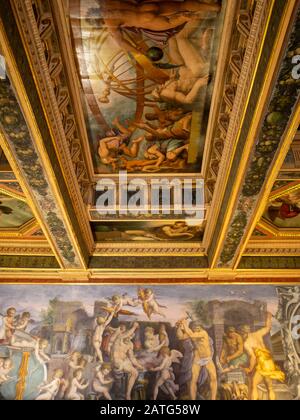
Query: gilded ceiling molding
(182, 277)
(259, 147)
(19, 232)
(288, 188)
(277, 130)
(278, 232)
(17, 262)
(25, 250)
(272, 252)
(236, 66)
(270, 263)
(18, 195)
(259, 245)
(68, 243)
(149, 263)
(249, 37)
(37, 28)
(132, 249)
(18, 140)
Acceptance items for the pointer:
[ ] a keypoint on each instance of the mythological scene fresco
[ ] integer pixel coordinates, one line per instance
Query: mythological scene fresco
(147, 73)
(142, 231)
(149, 342)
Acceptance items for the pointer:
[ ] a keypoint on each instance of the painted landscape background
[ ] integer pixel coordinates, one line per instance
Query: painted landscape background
(142, 342)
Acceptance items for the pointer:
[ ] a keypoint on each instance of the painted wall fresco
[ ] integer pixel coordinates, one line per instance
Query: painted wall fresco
(146, 69)
(149, 342)
(147, 231)
(13, 213)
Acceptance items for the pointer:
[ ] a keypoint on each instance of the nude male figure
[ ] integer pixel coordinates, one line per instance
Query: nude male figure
(232, 353)
(202, 357)
(178, 130)
(185, 82)
(151, 15)
(102, 323)
(112, 145)
(257, 351)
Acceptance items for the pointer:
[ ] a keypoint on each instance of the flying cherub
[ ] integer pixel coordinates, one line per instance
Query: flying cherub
(149, 303)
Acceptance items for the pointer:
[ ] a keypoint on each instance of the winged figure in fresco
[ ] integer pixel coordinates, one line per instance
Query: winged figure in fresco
(117, 303)
(149, 303)
(165, 378)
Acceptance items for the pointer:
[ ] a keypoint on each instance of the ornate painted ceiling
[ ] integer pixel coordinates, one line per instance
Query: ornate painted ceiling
(209, 92)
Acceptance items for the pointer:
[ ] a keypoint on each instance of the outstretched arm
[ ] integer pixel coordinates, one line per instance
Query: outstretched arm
(266, 330)
(109, 319)
(180, 333)
(130, 332)
(191, 333)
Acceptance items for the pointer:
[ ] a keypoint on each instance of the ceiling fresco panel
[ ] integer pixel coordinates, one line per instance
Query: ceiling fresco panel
(13, 213)
(147, 74)
(144, 231)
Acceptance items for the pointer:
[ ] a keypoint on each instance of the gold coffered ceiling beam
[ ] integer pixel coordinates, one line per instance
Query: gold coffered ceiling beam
(260, 206)
(241, 211)
(56, 80)
(38, 173)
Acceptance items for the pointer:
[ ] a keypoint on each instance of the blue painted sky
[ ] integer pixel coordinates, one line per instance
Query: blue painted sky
(34, 298)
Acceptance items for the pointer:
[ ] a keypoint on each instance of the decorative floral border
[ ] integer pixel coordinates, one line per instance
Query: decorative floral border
(284, 98)
(14, 126)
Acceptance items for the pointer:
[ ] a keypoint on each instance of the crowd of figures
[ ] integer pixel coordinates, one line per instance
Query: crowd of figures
(147, 360)
(166, 53)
